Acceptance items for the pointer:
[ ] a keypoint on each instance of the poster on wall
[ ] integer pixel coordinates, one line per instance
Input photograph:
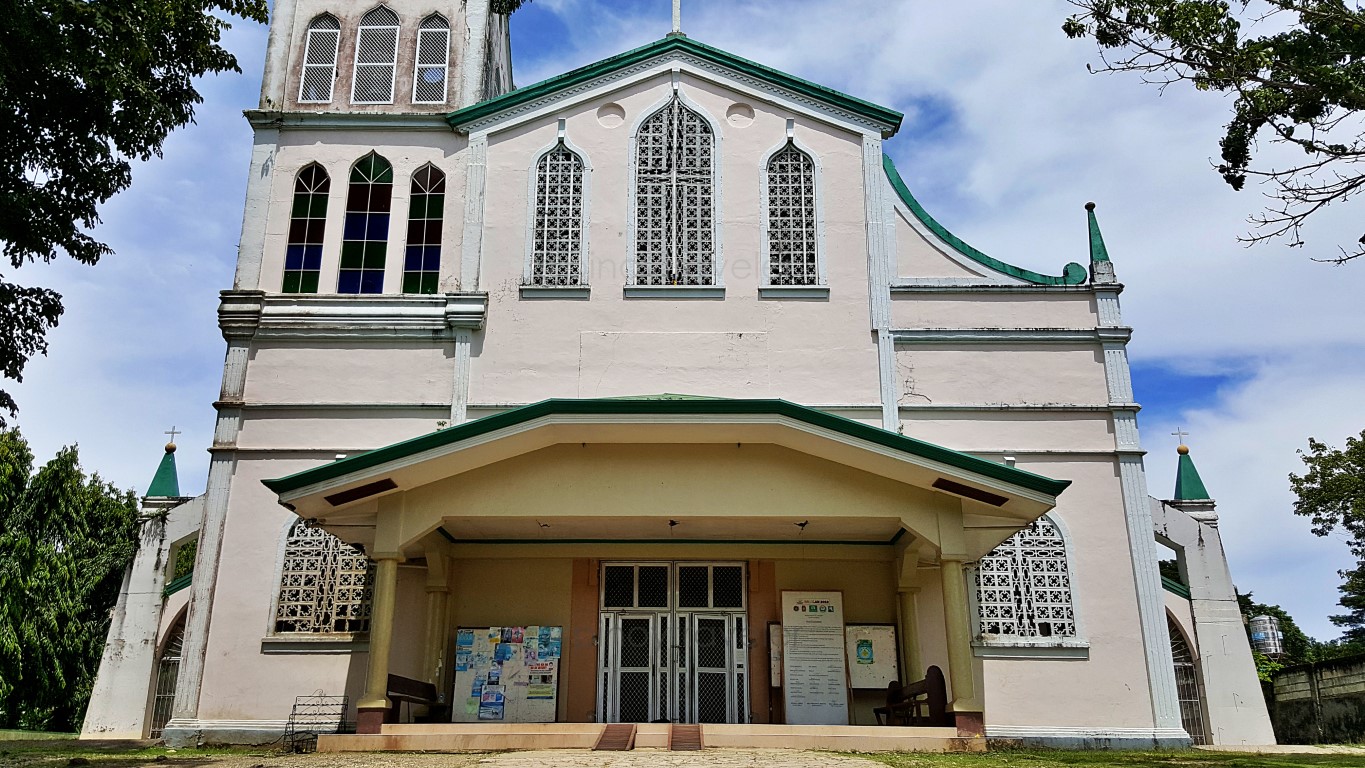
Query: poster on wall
(814, 671)
(871, 650)
(506, 674)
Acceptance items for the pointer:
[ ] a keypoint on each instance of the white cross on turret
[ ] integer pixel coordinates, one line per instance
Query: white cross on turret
(172, 432)
(1180, 434)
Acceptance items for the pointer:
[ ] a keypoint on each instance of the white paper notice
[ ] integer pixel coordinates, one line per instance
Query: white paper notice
(814, 678)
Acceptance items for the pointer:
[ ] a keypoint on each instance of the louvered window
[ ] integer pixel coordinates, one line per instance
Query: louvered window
(791, 218)
(376, 55)
(433, 61)
(1023, 588)
(556, 257)
(365, 235)
(674, 199)
(325, 584)
(422, 259)
(319, 60)
(303, 251)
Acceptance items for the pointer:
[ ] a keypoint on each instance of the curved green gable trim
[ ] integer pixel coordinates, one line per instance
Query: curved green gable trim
(698, 407)
(888, 117)
(1072, 274)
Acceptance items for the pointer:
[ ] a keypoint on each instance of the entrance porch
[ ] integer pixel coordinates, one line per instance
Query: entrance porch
(658, 536)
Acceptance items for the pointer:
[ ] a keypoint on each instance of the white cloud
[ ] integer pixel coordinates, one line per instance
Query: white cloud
(1006, 136)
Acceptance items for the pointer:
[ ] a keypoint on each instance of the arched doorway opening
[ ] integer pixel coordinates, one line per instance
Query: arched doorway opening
(1187, 685)
(167, 670)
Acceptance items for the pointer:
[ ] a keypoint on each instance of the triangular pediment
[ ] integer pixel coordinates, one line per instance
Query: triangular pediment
(677, 53)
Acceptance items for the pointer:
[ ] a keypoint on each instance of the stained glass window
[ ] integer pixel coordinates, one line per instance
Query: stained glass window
(557, 231)
(791, 218)
(1023, 587)
(303, 251)
(422, 259)
(674, 199)
(325, 584)
(365, 234)
(319, 60)
(433, 61)
(376, 56)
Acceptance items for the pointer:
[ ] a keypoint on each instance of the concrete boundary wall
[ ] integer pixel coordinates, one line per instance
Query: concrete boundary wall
(1320, 703)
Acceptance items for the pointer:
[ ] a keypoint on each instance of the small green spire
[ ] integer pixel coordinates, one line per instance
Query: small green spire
(166, 483)
(1188, 485)
(1097, 250)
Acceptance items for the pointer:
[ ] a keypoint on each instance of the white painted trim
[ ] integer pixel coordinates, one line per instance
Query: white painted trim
(397, 43)
(1054, 652)
(808, 292)
(475, 47)
(281, 549)
(475, 191)
(257, 209)
(673, 292)
(1082, 732)
(717, 198)
(766, 288)
(379, 317)
(671, 61)
(585, 218)
(877, 206)
(910, 285)
(307, 46)
(346, 121)
(534, 292)
(459, 401)
(417, 58)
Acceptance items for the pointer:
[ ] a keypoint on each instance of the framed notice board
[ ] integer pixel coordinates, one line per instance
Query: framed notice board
(872, 657)
(507, 674)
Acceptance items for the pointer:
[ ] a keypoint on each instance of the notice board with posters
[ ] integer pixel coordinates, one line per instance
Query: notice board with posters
(506, 674)
(814, 668)
(871, 652)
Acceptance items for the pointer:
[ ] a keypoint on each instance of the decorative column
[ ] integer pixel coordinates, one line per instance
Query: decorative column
(909, 629)
(438, 601)
(374, 703)
(965, 706)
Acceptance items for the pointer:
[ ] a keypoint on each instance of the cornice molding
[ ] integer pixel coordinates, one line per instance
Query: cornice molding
(353, 121)
(920, 336)
(257, 315)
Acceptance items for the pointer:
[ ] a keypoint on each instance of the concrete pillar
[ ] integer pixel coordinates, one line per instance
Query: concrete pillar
(438, 602)
(965, 705)
(374, 703)
(908, 613)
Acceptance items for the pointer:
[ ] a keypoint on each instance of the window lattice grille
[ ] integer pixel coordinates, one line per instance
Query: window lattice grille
(365, 234)
(325, 584)
(320, 60)
(1023, 587)
(303, 251)
(791, 218)
(674, 199)
(167, 672)
(556, 259)
(376, 55)
(1187, 685)
(422, 258)
(433, 61)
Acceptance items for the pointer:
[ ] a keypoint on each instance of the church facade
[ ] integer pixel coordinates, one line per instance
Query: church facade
(624, 368)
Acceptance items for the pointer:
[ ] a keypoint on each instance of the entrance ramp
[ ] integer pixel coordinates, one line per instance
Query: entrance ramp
(481, 737)
(617, 737)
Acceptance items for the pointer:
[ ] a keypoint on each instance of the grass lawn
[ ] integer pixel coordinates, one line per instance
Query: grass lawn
(1009, 758)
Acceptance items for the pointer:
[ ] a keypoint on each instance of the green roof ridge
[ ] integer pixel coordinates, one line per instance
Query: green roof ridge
(1175, 587)
(525, 413)
(165, 484)
(1188, 485)
(857, 106)
(1097, 250)
(1072, 274)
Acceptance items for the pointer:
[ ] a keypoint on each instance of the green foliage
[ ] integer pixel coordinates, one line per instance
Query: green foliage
(1298, 646)
(1170, 569)
(1331, 494)
(85, 88)
(65, 540)
(507, 7)
(1303, 86)
(184, 559)
(1266, 667)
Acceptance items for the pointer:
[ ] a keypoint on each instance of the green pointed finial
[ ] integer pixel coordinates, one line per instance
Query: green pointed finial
(166, 482)
(1188, 485)
(1101, 269)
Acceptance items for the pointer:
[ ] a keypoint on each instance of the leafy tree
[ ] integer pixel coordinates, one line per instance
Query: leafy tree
(65, 540)
(1298, 646)
(1302, 86)
(1332, 493)
(85, 88)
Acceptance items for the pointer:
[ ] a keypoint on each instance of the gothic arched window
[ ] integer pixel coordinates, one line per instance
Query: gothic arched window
(433, 61)
(422, 260)
(1023, 588)
(791, 218)
(376, 55)
(557, 231)
(365, 232)
(303, 251)
(1187, 686)
(674, 199)
(324, 584)
(319, 60)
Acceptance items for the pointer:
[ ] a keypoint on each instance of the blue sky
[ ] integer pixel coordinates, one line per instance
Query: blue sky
(1005, 138)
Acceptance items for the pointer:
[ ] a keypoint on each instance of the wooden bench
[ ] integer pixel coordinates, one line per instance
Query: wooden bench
(405, 689)
(924, 702)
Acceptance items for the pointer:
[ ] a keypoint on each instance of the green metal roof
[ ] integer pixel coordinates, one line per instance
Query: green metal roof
(1175, 587)
(1188, 485)
(165, 484)
(653, 405)
(879, 114)
(1072, 274)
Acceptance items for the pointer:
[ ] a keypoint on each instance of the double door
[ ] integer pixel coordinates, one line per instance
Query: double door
(673, 643)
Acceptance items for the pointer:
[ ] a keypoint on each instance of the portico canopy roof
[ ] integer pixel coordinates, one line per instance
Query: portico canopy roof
(991, 492)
